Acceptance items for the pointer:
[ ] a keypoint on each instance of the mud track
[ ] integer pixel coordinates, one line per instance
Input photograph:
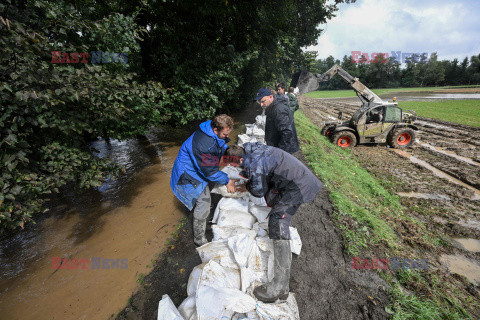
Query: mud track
(452, 149)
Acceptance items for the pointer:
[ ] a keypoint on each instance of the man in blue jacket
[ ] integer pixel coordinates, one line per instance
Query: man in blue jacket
(197, 164)
(286, 183)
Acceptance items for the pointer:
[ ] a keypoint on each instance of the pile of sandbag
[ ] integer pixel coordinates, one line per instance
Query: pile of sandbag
(239, 258)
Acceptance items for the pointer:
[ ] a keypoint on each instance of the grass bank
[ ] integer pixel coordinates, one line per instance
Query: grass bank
(457, 111)
(374, 225)
(350, 93)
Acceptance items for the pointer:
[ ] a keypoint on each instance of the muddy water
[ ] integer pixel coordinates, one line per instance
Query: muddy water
(472, 245)
(127, 219)
(462, 266)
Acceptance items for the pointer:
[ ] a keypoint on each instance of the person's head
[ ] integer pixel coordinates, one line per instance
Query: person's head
(234, 155)
(291, 90)
(222, 125)
(280, 87)
(264, 97)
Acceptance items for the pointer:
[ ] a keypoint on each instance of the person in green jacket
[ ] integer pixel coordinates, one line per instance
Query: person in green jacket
(293, 100)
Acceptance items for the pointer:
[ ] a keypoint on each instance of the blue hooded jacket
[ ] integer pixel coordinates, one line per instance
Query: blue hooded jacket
(197, 163)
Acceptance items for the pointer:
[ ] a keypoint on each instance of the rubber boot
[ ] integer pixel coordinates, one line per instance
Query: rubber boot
(279, 287)
(199, 228)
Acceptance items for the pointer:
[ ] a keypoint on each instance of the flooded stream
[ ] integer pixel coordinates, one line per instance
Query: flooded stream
(127, 220)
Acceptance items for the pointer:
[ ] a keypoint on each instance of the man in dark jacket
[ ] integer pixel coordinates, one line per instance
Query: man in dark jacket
(280, 129)
(281, 94)
(286, 183)
(197, 164)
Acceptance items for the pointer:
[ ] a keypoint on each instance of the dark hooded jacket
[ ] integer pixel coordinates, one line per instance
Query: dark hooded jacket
(280, 129)
(278, 176)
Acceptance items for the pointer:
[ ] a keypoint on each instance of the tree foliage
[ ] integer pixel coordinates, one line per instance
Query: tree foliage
(187, 60)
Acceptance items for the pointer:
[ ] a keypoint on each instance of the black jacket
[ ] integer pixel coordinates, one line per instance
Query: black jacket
(278, 176)
(280, 129)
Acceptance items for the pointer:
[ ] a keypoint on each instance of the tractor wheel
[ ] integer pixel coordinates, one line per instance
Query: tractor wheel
(344, 139)
(327, 129)
(401, 138)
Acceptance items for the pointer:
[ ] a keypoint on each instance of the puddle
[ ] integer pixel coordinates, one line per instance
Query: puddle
(472, 245)
(448, 153)
(462, 266)
(438, 173)
(419, 195)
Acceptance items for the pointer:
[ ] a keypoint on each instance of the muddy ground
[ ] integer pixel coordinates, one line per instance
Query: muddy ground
(445, 197)
(324, 284)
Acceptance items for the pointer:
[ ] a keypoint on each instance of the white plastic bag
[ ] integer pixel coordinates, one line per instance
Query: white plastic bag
(295, 242)
(193, 279)
(167, 310)
(230, 203)
(285, 310)
(257, 201)
(223, 233)
(219, 252)
(261, 213)
(214, 275)
(215, 302)
(243, 138)
(235, 218)
(241, 246)
(223, 191)
(188, 307)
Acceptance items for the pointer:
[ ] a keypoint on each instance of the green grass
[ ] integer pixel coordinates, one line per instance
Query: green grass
(457, 111)
(368, 216)
(350, 93)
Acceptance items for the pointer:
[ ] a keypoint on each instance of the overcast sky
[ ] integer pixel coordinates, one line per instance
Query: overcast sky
(450, 28)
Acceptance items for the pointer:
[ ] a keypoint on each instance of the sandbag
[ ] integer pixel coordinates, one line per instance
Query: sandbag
(214, 275)
(219, 252)
(223, 233)
(215, 302)
(193, 279)
(260, 213)
(167, 310)
(187, 308)
(295, 242)
(230, 203)
(257, 201)
(235, 218)
(223, 191)
(285, 310)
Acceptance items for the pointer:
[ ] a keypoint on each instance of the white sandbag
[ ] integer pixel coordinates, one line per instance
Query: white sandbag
(223, 233)
(233, 172)
(223, 191)
(194, 315)
(265, 246)
(295, 242)
(219, 252)
(261, 229)
(257, 131)
(285, 310)
(230, 203)
(235, 218)
(215, 302)
(214, 275)
(193, 279)
(260, 213)
(249, 129)
(187, 308)
(167, 310)
(257, 201)
(260, 120)
(243, 138)
(241, 246)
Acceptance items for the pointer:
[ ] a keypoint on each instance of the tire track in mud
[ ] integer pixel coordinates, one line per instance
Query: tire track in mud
(451, 148)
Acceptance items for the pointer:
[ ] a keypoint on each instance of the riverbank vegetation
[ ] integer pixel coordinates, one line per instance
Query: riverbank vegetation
(75, 71)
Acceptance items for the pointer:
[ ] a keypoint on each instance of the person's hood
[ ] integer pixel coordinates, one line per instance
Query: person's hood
(251, 148)
(206, 127)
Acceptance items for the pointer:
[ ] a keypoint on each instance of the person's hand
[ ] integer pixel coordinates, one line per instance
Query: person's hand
(231, 185)
(241, 188)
